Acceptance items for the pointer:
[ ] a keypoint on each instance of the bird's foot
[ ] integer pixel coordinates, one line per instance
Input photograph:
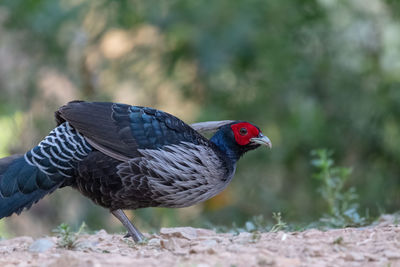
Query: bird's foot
(132, 230)
(143, 240)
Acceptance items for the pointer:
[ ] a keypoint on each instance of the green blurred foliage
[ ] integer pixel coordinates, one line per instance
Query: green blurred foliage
(311, 74)
(342, 206)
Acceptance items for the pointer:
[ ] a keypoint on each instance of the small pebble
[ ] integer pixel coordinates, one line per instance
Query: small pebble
(41, 245)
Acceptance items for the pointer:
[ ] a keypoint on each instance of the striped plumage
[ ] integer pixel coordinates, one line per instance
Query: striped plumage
(58, 154)
(127, 157)
(28, 178)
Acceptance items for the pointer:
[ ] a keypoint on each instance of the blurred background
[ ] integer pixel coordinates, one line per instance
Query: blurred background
(312, 74)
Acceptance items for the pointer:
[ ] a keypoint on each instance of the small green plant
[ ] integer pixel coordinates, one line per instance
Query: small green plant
(396, 219)
(342, 208)
(255, 237)
(279, 223)
(338, 241)
(67, 238)
(3, 232)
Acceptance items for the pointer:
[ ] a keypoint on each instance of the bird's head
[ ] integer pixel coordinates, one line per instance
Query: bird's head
(238, 137)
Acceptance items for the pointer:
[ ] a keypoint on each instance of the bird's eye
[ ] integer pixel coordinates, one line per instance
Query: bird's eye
(243, 131)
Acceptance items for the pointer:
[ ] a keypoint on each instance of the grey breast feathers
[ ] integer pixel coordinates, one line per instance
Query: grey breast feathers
(176, 175)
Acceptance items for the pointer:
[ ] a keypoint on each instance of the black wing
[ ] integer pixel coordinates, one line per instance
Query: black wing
(119, 130)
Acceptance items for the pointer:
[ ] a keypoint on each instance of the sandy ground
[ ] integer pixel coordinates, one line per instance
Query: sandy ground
(377, 245)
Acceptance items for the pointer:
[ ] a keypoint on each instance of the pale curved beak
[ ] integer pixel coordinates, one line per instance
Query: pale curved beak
(262, 140)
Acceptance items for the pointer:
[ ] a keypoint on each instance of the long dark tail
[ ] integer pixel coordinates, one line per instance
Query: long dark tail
(25, 179)
(21, 185)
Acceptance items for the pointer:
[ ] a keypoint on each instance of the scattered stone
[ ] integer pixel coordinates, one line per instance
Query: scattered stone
(206, 246)
(265, 262)
(174, 245)
(155, 242)
(87, 245)
(284, 236)
(101, 232)
(68, 260)
(41, 245)
(243, 238)
(354, 256)
(235, 248)
(204, 232)
(19, 240)
(373, 246)
(392, 254)
(314, 252)
(311, 233)
(288, 261)
(209, 243)
(185, 232)
(168, 244)
(372, 257)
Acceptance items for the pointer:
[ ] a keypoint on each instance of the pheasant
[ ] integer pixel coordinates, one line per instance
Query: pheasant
(127, 157)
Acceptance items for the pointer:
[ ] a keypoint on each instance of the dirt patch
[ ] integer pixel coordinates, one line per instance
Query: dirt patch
(377, 245)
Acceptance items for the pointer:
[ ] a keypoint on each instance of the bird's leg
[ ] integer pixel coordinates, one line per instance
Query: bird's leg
(132, 230)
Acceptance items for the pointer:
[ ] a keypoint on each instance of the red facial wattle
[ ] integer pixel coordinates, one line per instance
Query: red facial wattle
(243, 132)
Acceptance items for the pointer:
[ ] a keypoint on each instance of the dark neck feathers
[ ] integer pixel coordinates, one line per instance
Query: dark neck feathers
(226, 143)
